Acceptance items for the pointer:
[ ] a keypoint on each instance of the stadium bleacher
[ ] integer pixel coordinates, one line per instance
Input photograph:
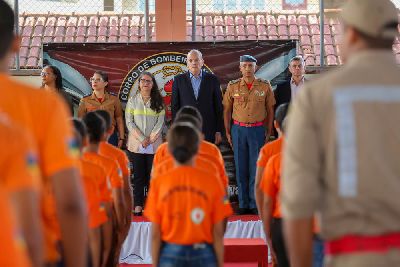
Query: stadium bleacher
(36, 30)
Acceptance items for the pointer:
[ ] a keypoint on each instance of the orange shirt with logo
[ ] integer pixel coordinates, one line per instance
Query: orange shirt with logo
(207, 150)
(271, 183)
(186, 202)
(19, 165)
(91, 174)
(268, 150)
(108, 150)
(111, 168)
(45, 116)
(19, 171)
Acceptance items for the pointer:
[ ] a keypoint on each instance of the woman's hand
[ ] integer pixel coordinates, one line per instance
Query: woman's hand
(146, 142)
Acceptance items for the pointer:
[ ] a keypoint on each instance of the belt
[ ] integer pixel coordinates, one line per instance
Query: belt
(194, 246)
(243, 124)
(352, 244)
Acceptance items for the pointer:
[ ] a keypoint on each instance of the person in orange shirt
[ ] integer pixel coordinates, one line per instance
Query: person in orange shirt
(199, 162)
(267, 151)
(119, 156)
(19, 184)
(13, 247)
(202, 159)
(206, 149)
(271, 214)
(187, 207)
(96, 130)
(91, 174)
(44, 115)
(270, 186)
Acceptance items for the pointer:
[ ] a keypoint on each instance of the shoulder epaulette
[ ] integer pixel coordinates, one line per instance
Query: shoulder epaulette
(234, 81)
(263, 80)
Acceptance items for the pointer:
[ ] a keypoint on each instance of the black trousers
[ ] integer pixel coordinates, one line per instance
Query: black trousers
(278, 243)
(142, 164)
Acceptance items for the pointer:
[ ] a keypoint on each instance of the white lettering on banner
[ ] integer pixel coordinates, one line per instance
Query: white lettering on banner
(164, 66)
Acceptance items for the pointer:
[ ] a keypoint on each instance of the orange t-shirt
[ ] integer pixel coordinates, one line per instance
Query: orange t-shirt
(91, 174)
(271, 183)
(19, 165)
(186, 202)
(13, 247)
(108, 150)
(271, 186)
(201, 163)
(44, 115)
(206, 149)
(111, 168)
(268, 150)
(19, 171)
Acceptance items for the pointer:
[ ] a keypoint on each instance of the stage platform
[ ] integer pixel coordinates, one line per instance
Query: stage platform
(137, 247)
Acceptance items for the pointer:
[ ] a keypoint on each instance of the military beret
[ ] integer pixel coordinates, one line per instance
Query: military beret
(248, 58)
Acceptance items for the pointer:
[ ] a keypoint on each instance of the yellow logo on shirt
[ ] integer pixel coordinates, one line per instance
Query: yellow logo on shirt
(73, 148)
(225, 200)
(32, 164)
(19, 240)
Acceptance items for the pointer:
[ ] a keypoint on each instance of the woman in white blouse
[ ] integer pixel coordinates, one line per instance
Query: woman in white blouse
(144, 115)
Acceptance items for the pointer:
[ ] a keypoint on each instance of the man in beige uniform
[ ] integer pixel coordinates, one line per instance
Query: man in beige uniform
(342, 152)
(249, 102)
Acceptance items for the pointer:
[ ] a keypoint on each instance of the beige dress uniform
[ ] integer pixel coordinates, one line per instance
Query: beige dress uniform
(110, 104)
(342, 151)
(342, 154)
(249, 106)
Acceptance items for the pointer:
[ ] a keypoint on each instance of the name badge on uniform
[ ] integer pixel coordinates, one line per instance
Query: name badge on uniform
(237, 97)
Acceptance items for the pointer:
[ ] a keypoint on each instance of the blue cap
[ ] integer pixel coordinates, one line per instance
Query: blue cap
(248, 58)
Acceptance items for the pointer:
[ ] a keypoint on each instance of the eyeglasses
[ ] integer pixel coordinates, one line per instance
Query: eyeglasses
(146, 81)
(45, 74)
(95, 80)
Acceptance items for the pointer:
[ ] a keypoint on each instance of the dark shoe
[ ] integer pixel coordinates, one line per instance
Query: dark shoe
(242, 211)
(254, 211)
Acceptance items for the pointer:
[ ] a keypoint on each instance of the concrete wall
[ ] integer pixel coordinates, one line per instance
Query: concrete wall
(34, 81)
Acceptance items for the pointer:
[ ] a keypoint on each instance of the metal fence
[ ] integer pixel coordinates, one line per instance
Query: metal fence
(43, 21)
